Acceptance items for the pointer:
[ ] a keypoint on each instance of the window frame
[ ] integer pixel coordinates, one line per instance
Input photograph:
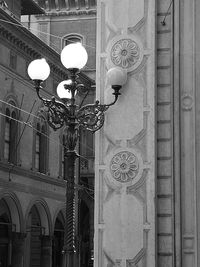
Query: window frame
(40, 132)
(72, 36)
(10, 138)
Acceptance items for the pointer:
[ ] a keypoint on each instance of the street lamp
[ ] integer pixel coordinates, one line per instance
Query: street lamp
(67, 113)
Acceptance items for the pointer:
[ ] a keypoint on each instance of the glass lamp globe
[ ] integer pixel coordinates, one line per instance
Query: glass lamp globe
(39, 69)
(74, 56)
(116, 76)
(62, 92)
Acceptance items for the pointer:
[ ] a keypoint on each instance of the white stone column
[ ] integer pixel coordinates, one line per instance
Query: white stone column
(125, 146)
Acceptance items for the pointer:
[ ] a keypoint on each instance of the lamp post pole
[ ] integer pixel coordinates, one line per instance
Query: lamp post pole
(66, 113)
(70, 156)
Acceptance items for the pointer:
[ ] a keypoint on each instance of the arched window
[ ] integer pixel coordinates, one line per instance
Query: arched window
(11, 133)
(72, 38)
(41, 146)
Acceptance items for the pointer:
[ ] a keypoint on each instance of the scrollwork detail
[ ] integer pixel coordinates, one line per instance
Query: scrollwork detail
(57, 113)
(91, 116)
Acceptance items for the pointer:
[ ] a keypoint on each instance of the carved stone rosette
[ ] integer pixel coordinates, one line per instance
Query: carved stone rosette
(126, 52)
(124, 166)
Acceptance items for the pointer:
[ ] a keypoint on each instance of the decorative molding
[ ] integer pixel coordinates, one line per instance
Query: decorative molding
(188, 243)
(132, 142)
(111, 262)
(125, 53)
(139, 189)
(57, 8)
(55, 13)
(124, 166)
(134, 262)
(33, 47)
(187, 102)
(129, 236)
(29, 51)
(111, 189)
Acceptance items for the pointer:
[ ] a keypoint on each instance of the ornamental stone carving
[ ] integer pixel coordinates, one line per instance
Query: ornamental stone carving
(125, 53)
(124, 166)
(187, 102)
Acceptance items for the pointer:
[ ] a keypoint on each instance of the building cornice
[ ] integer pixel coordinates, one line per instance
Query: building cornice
(22, 39)
(69, 13)
(16, 34)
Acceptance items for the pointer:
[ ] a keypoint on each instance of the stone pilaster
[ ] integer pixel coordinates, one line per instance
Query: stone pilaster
(125, 147)
(189, 145)
(18, 241)
(46, 251)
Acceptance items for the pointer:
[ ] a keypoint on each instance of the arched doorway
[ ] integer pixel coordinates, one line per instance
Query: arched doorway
(34, 233)
(5, 234)
(58, 241)
(38, 249)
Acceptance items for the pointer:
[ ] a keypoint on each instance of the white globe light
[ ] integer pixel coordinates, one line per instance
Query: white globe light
(62, 92)
(74, 56)
(39, 69)
(116, 76)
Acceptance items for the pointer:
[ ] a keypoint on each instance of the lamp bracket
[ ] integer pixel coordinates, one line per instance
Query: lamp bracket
(90, 117)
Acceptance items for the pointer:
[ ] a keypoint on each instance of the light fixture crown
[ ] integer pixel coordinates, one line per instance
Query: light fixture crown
(39, 69)
(74, 56)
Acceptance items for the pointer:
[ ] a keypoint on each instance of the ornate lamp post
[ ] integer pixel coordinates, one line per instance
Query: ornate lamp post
(66, 113)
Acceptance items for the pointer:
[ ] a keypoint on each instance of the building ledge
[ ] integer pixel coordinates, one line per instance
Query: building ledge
(18, 170)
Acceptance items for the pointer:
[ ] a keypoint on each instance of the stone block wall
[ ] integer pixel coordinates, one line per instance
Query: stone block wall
(165, 179)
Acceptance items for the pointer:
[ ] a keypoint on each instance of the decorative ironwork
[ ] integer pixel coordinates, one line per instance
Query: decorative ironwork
(67, 113)
(57, 114)
(90, 117)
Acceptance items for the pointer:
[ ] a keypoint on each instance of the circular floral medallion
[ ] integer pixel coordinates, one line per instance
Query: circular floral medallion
(125, 53)
(124, 166)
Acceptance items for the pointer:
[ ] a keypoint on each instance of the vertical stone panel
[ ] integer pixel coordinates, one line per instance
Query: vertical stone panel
(125, 154)
(197, 107)
(188, 89)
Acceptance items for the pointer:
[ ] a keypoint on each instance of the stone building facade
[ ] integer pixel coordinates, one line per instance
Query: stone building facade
(147, 171)
(32, 191)
(161, 200)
